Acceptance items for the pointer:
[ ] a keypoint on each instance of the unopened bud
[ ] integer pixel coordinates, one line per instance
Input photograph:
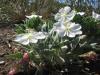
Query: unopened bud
(12, 72)
(26, 57)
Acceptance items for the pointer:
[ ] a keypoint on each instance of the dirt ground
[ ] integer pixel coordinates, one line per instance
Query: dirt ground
(6, 47)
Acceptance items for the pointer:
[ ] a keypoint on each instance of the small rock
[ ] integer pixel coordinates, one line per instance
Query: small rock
(2, 54)
(2, 62)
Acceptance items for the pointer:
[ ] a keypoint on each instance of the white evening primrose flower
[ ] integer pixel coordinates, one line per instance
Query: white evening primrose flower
(35, 16)
(31, 37)
(95, 16)
(67, 28)
(65, 14)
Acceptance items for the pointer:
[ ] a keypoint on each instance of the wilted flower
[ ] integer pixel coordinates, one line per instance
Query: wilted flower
(65, 14)
(95, 16)
(30, 37)
(67, 28)
(89, 55)
(31, 16)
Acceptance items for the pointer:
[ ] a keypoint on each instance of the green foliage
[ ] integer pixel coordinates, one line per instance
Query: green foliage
(34, 23)
(15, 56)
(89, 25)
(14, 11)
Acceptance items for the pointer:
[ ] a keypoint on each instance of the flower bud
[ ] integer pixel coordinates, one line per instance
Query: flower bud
(12, 72)
(26, 57)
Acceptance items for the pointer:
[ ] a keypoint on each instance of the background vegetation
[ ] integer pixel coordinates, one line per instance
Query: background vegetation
(13, 11)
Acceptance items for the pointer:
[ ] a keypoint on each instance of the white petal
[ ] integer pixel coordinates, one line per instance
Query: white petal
(59, 28)
(57, 24)
(69, 34)
(33, 40)
(61, 10)
(95, 15)
(40, 35)
(31, 16)
(20, 37)
(61, 33)
(75, 26)
(77, 32)
(81, 13)
(40, 16)
(98, 17)
(67, 9)
(25, 42)
(71, 15)
(57, 16)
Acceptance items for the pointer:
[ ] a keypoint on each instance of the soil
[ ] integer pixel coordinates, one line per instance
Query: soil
(6, 47)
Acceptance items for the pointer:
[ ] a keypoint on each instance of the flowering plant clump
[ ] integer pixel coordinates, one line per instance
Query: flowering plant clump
(53, 42)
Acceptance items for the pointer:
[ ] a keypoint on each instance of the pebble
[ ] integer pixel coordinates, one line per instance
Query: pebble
(2, 54)
(2, 62)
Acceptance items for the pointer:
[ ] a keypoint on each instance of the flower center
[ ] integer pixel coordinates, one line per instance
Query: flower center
(63, 14)
(29, 36)
(67, 27)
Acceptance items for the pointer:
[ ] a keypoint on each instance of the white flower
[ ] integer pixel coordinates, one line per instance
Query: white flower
(31, 37)
(35, 16)
(95, 16)
(81, 13)
(65, 14)
(67, 28)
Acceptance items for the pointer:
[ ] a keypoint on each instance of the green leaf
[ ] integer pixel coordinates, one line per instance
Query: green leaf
(15, 56)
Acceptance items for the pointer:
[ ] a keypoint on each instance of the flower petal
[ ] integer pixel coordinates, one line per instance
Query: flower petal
(70, 34)
(61, 10)
(24, 42)
(61, 33)
(95, 16)
(57, 16)
(20, 37)
(40, 35)
(33, 40)
(77, 32)
(31, 16)
(67, 9)
(81, 13)
(71, 15)
(75, 27)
